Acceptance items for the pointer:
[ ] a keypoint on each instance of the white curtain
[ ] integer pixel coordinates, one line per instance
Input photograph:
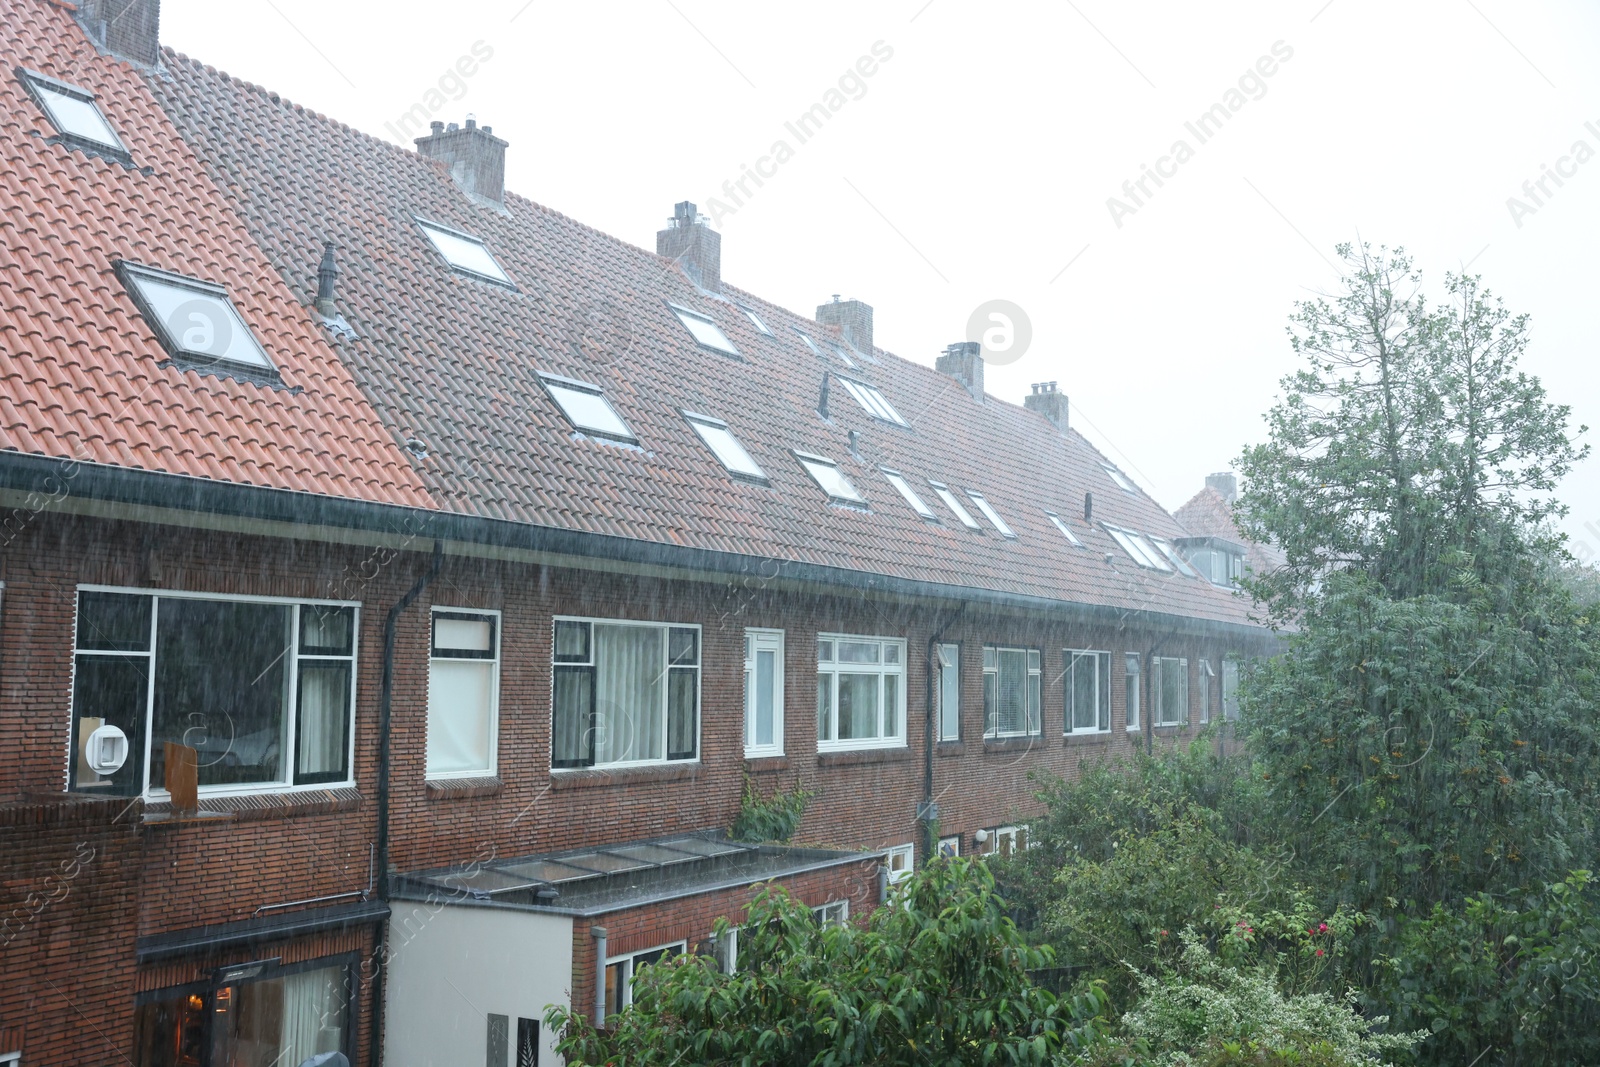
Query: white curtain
(324, 695)
(459, 697)
(314, 1004)
(629, 662)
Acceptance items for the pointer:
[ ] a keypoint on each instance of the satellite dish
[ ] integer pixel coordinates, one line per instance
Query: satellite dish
(106, 750)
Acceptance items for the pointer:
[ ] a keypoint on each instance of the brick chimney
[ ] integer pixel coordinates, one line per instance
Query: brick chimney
(1046, 401)
(127, 28)
(475, 156)
(963, 361)
(694, 244)
(853, 318)
(1225, 484)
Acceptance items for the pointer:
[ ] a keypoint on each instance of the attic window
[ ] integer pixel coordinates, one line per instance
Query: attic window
(1138, 548)
(1064, 528)
(194, 320)
(586, 407)
(465, 253)
(897, 480)
(1173, 558)
(991, 514)
(838, 350)
(72, 111)
(872, 401)
(1118, 477)
(704, 330)
(726, 447)
(832, 480)
(755, 320)
(816, 351)
(954, 505)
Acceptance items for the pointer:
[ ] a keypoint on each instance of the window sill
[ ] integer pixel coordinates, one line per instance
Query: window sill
(949, 748)
(1012, 744)
(463, 788)
(1079, 740)
(858, 756)
(597, 779)
(761, 764)
(256, 806)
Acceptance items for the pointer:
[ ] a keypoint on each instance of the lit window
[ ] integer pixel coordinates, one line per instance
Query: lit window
(899, 860)
(1064, 528)
(1118, 477)
(949, 847)
(872, 401)
(1130, 682)
(832, 480)
(755, 320)
(911, 497)
(625, 693)
(1206, 680)
(463, 693)
(586, 407)
(1169, 690)
(834, 913)
(954, 505)
(194, 320)
(949, 695)
(763, 692)
(1011, 689)
(704, 330)
(1173, 558)
(622, 970)
(263, 1016)
(1140, 550)
(464, 252)
(72, 111)
(1088, 691)
(725, 446)
(990, 514)
(861, 693)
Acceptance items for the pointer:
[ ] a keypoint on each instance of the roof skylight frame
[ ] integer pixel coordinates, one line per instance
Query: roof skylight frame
(163, 296)
(89, 129)
(755, 320)
(434, 230)
(712, 432)
(1119, 478)
(872, 401)
(903, 487)
(840, 491)
(844, 358)
(1138, 549)
(1061, 524)
(951, 501)
(690, 318)
(1166, 549)
(556, 385)
(991, 514)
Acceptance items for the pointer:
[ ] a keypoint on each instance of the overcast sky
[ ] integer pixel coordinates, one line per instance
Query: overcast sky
(975, 163)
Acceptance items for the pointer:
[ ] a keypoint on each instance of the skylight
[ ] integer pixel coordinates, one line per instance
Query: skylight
(897, 480)
(872, 401)
(1176, 560)
(586, 407)
(1138, 548)
(830, 478)
(464, 252)
(845, 359)
(704, 330)
(1064, 528)
(72, 111)
(193, 320)
(818, 351)
(725, 446)
(954, 505)
(991, 514)
(755, 320)
(1118, 477)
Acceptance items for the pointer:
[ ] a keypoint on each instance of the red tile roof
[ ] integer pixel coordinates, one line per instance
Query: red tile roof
(81, 372)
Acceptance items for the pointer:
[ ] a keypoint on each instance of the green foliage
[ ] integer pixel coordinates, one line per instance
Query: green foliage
(772, 818)
(937, 977)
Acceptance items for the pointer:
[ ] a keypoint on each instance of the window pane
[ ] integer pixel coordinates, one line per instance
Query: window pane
(629, 701)
(1230, 690)
(1131, 689)
(825, 651)
(1081, 690)
(905, 490)
(726, 447)
(683, 719)
(110, 690)
(858, 651)
(199, 322)
(1103, 674)
(326, 631)
(114, 622)
(955, 507)
(462, 635)
(589, 411)
(825, 707)
(572, 741)
(858, 707)
(1011, 696)
(77, 117)
(706, 332)
(949, 694)
(766, 665)
(891, 705)
(465, 252)
(1033, 684)
(831, 480)
(989, 687)
(572, 642)
(891, 652)
(683, 648)
(322, 738)
(460, 696)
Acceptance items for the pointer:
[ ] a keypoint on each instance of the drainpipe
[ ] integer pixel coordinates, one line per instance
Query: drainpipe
(930, 841)
(385, 709)
(599, 935)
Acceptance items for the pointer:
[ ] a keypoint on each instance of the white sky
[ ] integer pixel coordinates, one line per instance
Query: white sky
(979, 160)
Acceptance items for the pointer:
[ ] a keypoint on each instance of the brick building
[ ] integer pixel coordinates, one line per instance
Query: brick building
(477, 560)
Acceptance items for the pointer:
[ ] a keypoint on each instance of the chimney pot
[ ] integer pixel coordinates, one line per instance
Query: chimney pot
(476, 157)
(694, 244)
(472, 123)
(437, 126)
(963, 361)
(1046, 401)
(853, 318)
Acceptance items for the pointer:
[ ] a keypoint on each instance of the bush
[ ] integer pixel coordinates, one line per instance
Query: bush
(773, 818)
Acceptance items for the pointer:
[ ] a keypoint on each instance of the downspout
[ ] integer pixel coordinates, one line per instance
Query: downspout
(385, 709)
(930, 840)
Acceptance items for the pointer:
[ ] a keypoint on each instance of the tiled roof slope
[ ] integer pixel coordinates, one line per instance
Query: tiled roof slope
(79, 374)
(1209, 514)
(453, 360)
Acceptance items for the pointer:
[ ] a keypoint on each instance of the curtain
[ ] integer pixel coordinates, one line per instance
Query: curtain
(629, 701)
(320, 744)
(460, 693)
(314, 1005)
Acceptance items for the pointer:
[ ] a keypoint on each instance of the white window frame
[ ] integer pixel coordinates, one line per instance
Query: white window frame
(1009, 833)
(1157, 696)
(872, 400)
(833, 913)
(900, 861)
(41, 87)
(1102, 712)
(554, 384)
(493, 711)
(1033, 675)
(158, 793)
(701, 423)
(992, 515)
(628, 960)
(950, 847)
(1118, 477)
(135, 275)
(758, 640)
(665, 759)
(942, 491)
(716, 338)
(1132, 691)
(1206, 676)
(755, 320)
(1061, 524)
(903, 487)
(429, 228)
(948, 655)
(850, 495)
(828, 675)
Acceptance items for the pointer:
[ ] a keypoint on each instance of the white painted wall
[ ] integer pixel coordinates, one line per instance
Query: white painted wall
(450, 967)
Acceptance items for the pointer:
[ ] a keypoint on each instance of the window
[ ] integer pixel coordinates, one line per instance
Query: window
(826, 473)
(1064, 528)
(194, 320)
(755, 320)
(949, 692)
(1169, 690)
(1207, 675)
(704, 330)
(75, 115)
(844, 357)
(625, 693)
(1011, 683)
(1230, 690)
(586, 407)
(277, 1015)
(949, 847)
(464, 253)
(261, 688)
(833, 913)
(10, 1059)
(861, 693)
(809, 342)
(899, 860)
(1130, 683)
(463, 693)
(954, 505)
(726, 447)
(1138, 548)
(992, 515)
(910, 495)
(1173, 558)
(622, 970)
(1118, 477)
(1217, 565)
(871, 400)
(1088, 691)
(763, 692)
(1006, 840)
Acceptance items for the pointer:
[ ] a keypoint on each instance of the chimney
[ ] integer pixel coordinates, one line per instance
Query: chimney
(1046, 401)
(476, 158)
(853, 318)
(694, 244)
(1226, 485)
(963, 361)
(126, 28)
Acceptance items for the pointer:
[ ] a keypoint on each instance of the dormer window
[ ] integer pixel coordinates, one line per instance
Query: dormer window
(726, 447)
(465, 253)
(872, 401)
(827, 474)
(195, 321)
(704, 330)
(954, 505)
(1219, 560)
(586, 407)
(991, 514)
(73, 112)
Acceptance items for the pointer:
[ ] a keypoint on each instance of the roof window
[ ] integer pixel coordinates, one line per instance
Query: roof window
(704, 330)
(194, 320)
(954, 505)
(872, 401)
(465, 253)
(755, 320)
(1173, 558)
(828, 475)
(903, 487)
(1064, 528)
(991, 514)
(1118, 477)
(1138, 548)
(72, 111)
(586, 407)
(726, 447)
